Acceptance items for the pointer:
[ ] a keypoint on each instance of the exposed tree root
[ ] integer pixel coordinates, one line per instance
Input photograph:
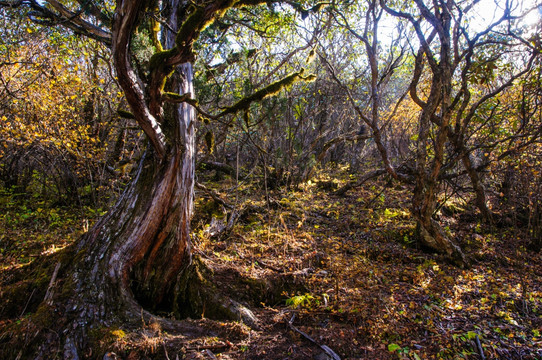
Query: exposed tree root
(433, 236)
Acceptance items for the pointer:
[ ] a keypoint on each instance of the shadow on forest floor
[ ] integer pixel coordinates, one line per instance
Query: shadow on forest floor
(347, 267)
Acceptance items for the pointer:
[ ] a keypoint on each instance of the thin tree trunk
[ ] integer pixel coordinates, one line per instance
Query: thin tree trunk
(478, 187)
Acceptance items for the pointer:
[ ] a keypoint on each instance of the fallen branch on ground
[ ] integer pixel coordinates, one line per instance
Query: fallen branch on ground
(215, 195)
(325, 348)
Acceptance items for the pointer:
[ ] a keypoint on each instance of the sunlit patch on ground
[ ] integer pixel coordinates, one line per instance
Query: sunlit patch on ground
(350, 270)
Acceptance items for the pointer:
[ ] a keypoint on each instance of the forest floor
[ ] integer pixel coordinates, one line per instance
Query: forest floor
(344, 271)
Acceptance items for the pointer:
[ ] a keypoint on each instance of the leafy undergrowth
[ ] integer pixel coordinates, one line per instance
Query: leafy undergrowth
(344, 270)
(31, 226)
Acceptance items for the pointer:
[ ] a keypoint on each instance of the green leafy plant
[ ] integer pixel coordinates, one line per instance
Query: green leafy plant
(402, 352)
(300, 300)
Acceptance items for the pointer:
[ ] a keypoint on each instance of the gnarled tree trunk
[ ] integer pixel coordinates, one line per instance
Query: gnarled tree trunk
(138, 253)
(136, 256)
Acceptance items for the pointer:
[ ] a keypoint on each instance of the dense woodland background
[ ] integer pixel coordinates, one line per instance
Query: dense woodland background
(367, 179)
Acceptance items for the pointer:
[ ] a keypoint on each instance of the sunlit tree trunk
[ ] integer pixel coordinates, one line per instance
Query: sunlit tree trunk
(136, 256)
(427, 183)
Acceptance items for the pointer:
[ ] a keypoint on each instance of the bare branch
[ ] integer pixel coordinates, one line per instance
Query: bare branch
(74, 21)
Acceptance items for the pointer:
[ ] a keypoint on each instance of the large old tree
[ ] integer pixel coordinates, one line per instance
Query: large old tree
(138, 255)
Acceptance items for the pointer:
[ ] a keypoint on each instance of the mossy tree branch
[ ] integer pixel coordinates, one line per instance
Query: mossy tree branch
(126, 20)
(162, 62)
(269, 90)
(243, 104)
(176, 98)
(148, 113)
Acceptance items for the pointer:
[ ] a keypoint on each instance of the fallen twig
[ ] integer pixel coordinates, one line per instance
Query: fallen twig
(28, 302)
(165, 350)
(216, 347)
(215, 195)
(325, 348)
(49, 294)
(264, 264)
(210, 353)
(479, 347)
(343, 190)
